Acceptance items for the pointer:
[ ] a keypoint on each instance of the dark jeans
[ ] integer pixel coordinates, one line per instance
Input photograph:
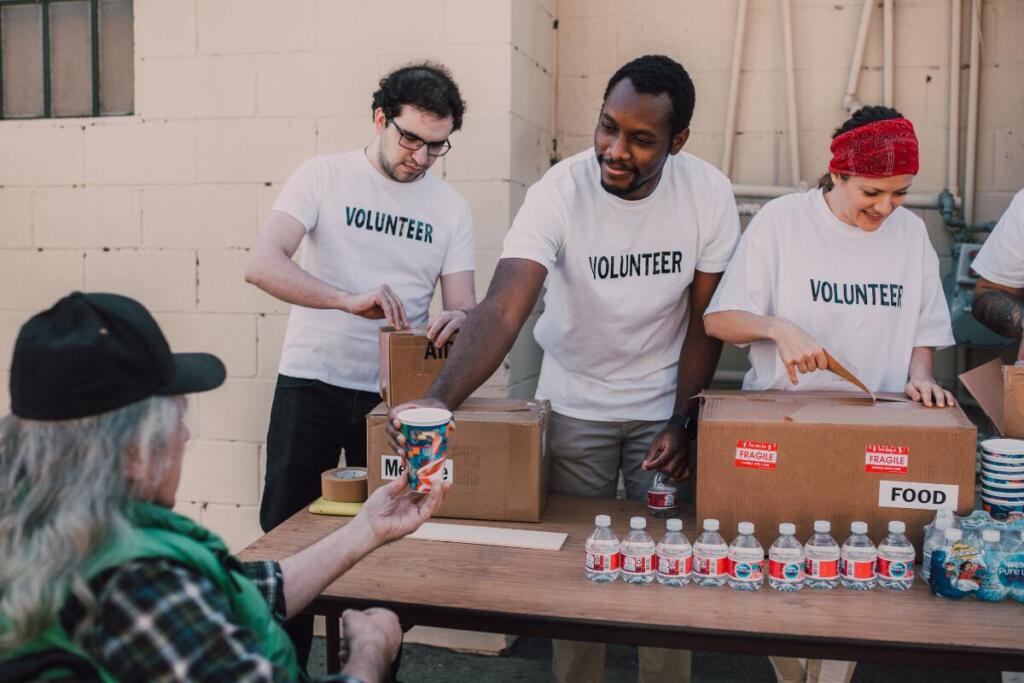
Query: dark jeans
(310, 422)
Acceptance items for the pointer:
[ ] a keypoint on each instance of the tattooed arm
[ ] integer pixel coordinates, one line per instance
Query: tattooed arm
(1000, 309)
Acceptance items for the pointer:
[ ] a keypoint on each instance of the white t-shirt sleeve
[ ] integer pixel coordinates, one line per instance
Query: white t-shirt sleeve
(537, 233)
(934, 328)
(459, 257)
(749, 281)
(300, 196)
(1001, 260)
(725, 234)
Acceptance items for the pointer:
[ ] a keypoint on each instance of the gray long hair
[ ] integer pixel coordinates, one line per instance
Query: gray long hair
(64, 489)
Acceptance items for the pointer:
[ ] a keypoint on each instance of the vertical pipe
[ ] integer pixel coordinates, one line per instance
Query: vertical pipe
(972, 111)
(887, 60)
(953, 150)
(850, 101)
(794, 143)
(734, 83)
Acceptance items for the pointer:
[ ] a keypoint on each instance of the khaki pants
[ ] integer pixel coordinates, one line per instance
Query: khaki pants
(586, 457)
(792, 670)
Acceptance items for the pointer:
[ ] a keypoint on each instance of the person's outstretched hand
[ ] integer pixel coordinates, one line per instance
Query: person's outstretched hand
(393, 511)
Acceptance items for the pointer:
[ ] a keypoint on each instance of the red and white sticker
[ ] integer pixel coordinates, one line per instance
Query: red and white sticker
(890, 459)
(758, 455)
(671, 566)
(637, 564)
(602, 562)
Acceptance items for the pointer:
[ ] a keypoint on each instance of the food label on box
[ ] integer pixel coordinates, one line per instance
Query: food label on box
(917, 495)
(891, 459)
(758, 455)
(392, 467)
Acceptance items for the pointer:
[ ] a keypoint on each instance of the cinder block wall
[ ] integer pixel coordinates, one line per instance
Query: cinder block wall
(597, 36)
(230, 97)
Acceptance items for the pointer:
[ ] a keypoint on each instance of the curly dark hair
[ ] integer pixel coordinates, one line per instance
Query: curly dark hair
(861, 117)
(425, 85)
(656, 74)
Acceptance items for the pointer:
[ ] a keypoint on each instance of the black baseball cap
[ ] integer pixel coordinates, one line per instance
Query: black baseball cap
(91, 353)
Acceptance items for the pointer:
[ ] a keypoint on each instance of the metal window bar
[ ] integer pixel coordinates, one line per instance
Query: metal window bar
(94, 30)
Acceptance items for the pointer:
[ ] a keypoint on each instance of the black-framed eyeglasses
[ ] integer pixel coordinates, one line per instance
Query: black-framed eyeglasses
(411, 142)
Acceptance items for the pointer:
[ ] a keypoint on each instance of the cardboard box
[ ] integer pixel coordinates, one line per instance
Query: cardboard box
(771, 457)
(497, 459)
(409, 364)
(999, 390)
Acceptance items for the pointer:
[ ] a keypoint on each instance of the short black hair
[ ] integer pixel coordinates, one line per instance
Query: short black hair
(861, 117)
(424, 85)
(656, 74)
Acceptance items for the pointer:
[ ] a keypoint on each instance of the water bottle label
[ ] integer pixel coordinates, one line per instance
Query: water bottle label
(675, 566)
(602, 562)
(891, 459)
(759, 455)
(661, 500)
(788, 572)
(857, 570)
(895, 569)
(821, 569)
(746, 570)
(710, 567)
(1011, 571)
(637, 564)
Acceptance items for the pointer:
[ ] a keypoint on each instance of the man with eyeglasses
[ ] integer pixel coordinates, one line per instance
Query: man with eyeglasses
(379, 232)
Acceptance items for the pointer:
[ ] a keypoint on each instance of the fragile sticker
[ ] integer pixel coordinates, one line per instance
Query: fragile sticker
(392, 467)
(915, 495)
(758, 455)
(890, 459)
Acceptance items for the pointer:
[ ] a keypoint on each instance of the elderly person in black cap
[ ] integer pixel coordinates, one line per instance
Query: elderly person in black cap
(98, 571)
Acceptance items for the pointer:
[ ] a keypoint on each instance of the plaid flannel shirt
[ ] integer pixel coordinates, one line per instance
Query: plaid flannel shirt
(159, 621)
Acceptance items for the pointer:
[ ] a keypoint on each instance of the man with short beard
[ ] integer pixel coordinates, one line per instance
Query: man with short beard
(630, 239)
(379, 233)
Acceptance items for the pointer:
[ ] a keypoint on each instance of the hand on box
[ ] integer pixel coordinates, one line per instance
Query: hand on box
(797, 349)
(394, 427)
(447, 323)
(392, 511)
(669, 453)
(928, 392)
(381, 302)
(372, 640)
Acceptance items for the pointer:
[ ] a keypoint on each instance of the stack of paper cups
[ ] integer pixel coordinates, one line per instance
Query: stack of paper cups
(1002, 477)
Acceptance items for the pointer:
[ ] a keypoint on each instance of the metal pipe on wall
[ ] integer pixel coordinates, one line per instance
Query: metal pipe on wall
(850, 101)
(953, 150)
(914, 200)
(734, 84)
(972, 112)
(887, 58)
(794, 141)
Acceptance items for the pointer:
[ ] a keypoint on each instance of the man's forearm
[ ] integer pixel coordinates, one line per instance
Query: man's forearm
(482, 344)
(1000, 312)
(284, 279)
(309, 571)
(697, 362)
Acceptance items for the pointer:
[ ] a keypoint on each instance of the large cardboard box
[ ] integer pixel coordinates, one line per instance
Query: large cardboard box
(497, 459)
(999, 390)
(409, 364)
(771, 457)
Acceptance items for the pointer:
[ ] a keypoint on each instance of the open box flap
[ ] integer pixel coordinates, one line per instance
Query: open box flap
(985, 384)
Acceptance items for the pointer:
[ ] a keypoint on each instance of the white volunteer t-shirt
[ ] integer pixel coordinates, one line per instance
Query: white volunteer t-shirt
(1001, 260)
(364, 230)
(868, 297)
(619, 273)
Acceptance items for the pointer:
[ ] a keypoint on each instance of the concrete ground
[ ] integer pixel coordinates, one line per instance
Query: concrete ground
(530, 660)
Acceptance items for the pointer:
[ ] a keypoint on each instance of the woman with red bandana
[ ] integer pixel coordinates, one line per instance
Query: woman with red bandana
(842, 268)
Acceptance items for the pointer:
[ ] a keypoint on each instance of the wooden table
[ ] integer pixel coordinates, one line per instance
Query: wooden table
(544, 593)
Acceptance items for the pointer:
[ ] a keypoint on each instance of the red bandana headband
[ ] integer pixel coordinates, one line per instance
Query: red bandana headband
(876, 150)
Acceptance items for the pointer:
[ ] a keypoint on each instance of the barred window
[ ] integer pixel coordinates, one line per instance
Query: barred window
(66, 58)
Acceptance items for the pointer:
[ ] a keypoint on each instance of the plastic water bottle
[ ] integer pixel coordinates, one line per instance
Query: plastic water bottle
(992, 558)
(602, 547)
(710, 557)
(662, 497)
(895, 566)
(786, 560)
(746, 560)
(674, 555)
(857, 559)
(1011, 573)
(821, 563)
(934, 535)
(637, 550)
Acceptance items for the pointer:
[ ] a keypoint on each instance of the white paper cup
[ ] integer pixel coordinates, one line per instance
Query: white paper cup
(1010, 448)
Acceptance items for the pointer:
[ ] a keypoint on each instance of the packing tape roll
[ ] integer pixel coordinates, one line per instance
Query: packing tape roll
(344, 484)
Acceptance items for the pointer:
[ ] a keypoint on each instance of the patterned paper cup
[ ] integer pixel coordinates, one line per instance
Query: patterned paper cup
(1002, 509)
(1012, 449)
(426, 445)
(1014, 495)
(1004, 470)
(1005, 481)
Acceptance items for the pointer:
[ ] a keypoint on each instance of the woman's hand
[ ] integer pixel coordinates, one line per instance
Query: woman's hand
(928, 392)
(797, 349)
(447, 323)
